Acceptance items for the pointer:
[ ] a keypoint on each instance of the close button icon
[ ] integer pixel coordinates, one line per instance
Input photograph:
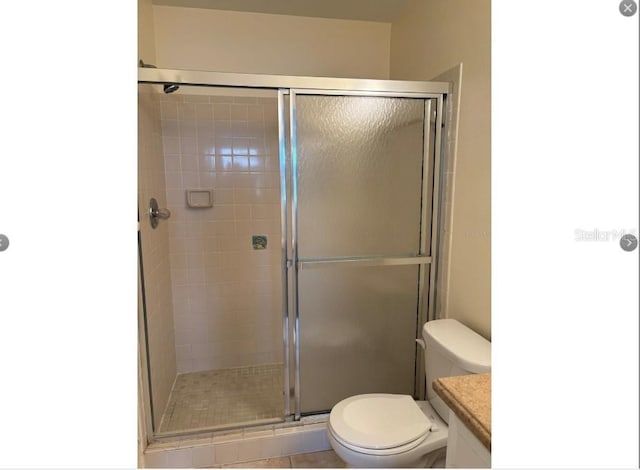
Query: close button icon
(628, 7)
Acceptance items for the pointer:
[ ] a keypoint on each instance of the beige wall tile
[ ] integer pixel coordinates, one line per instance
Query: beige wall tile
(215, 270)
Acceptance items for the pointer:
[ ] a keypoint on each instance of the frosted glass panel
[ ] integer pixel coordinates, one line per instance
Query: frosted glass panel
(360, 172)
(357, 331)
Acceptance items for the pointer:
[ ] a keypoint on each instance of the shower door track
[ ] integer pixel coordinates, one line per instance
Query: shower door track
(292, 85)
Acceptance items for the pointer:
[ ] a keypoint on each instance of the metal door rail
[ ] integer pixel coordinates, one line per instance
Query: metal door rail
(362, 261)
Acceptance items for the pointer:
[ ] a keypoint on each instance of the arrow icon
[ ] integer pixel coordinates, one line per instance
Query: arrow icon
(628, 242)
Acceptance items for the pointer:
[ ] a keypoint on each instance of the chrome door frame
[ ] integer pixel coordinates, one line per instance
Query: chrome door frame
(292, 85)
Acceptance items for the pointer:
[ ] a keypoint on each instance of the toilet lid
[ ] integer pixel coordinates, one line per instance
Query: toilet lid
(378, 421)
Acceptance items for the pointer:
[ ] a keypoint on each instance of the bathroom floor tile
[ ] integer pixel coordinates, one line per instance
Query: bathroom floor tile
(226, 396)
(279, 462)
(324, 459)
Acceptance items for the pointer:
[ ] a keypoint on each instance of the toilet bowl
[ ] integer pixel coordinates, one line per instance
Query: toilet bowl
(393, 431)
(385, 430)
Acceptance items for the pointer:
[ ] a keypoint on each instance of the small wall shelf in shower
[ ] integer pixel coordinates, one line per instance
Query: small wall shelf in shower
(199, 198)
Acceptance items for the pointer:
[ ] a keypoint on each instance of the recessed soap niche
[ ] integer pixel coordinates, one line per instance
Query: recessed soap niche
(199, 198)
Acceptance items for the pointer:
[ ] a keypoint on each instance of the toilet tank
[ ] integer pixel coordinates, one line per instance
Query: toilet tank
(452, 349)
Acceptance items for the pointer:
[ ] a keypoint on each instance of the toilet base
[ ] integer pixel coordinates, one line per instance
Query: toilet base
(438, 461)
(437, 458)
(416, 458)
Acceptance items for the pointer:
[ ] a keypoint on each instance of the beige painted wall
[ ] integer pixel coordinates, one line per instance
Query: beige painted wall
(427, 39)
(225, 41)
(146, 35)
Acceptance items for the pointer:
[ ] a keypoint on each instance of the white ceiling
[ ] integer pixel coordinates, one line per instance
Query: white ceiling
(367, 10)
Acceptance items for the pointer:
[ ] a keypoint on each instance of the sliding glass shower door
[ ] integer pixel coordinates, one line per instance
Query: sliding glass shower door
(361, 171)
(345, 176)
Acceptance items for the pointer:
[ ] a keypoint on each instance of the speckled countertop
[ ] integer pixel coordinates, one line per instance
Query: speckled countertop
(469, 397)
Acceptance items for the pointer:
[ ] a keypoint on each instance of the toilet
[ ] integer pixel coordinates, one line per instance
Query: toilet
(380, 430)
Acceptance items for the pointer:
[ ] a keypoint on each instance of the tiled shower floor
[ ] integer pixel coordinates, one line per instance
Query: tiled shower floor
(223, 397)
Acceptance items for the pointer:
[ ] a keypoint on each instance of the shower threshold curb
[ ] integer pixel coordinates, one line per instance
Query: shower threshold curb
(240, 445)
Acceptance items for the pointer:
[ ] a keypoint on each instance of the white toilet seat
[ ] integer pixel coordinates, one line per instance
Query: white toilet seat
(379, 452)
(379, 424)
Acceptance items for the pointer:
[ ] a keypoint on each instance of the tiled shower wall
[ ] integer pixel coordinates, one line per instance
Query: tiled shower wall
(226, 294)
(155, 251)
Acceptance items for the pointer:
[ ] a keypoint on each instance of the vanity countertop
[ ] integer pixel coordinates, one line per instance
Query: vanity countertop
(469, 397)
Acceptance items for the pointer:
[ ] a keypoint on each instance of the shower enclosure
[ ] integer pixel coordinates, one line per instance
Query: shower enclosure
(294, 255)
